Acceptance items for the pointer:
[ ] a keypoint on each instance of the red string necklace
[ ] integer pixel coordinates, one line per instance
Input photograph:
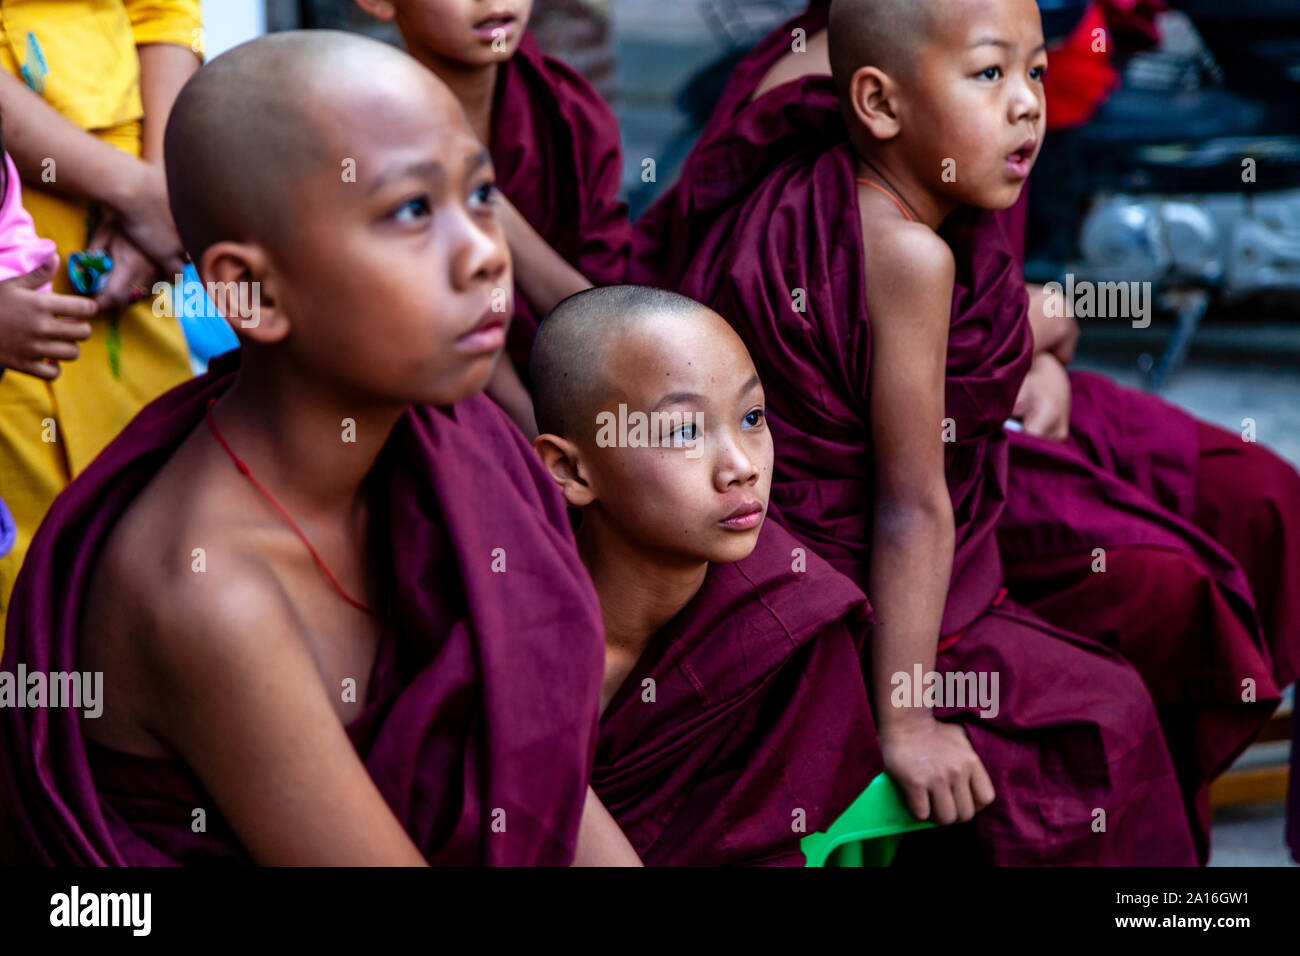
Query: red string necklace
(897, 202)
(244, 470)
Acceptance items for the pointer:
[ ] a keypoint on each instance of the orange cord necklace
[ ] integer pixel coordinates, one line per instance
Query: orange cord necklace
(897, 202)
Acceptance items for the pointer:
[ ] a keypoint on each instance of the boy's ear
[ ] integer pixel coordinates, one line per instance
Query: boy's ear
(246, 290)
(379, 9)
(560, 456)
(872, 93)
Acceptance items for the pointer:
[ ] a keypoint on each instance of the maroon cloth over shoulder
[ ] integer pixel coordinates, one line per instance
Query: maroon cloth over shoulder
(793, 224)
(484, 693)
(1132, 479)
(557, 156)
(759, 719)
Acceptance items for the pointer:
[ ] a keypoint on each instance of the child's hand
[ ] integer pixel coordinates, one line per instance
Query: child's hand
(147, 219)
(133, 274)
(33, 337)
(1043, 405)
(938, 771)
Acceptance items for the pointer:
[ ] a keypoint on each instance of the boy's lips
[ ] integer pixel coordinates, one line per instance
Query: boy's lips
(497, 21)
(743, 517)
(488, 334)
(1021, 159)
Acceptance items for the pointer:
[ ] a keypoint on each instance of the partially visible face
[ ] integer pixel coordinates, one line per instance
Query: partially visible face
(702, 494)
(398, 276)
(975, 104)
(471, 32)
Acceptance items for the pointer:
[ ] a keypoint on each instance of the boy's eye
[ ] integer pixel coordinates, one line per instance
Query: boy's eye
(685, 433)
(414, 208)
(484, 195)
(992, 73)
(1038, 73)
(754, 418)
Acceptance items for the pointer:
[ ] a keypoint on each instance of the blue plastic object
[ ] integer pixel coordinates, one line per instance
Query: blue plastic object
(206, 332)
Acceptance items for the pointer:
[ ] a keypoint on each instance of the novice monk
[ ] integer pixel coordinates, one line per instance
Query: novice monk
(735, 717)
(843, 293)
(555, 147)
(285, 569)
(1137, 477)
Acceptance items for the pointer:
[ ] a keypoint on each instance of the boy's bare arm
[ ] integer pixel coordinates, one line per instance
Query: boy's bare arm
(35, 134)
(1058, 332)
(1043, 402)
(506, 388)
(542, 274)
(164, 68)
(600, 840)
(234, 691)
(909, 297)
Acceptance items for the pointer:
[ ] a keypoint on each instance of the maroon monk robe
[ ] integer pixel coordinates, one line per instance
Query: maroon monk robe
(483, 695)
(557, 156)
(793, 225)
(1193, 491)
(759, 730)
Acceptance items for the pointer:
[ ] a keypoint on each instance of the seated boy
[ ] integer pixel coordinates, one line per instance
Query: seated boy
(888, 419)
(1197, 527)
(735, 718)
(335, 623)
(555, 148)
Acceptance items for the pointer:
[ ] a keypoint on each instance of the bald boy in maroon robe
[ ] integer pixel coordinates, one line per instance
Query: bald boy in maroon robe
(556, 153)
(735, 715)
(778, 216)
(1200, 530)
(412, 674)
(459, 634)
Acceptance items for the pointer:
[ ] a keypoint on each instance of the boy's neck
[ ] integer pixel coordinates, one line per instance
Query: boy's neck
(309, 449)
(473, 86)
(887, 171)
(639, 592)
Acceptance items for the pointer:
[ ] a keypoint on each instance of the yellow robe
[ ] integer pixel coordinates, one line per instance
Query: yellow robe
(50, 431)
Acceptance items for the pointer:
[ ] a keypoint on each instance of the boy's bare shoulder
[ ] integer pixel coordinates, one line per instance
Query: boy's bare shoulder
(905, 251)
(909, 269)
(181, 585)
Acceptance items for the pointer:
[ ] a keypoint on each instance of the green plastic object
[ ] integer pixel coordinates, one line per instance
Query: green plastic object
(867, 833)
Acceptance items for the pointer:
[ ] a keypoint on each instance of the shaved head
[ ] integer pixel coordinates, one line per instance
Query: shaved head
(886, 34)
(568, 358)
(251, 127)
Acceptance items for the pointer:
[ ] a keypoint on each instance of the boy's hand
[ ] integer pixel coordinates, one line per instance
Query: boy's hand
(1043, 405)
(133, 274)
(147, 219)
(33, 336)
(938, 771)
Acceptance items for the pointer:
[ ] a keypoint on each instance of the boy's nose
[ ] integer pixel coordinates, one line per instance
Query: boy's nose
(483, 255)
(736, 468)
(1026, 104)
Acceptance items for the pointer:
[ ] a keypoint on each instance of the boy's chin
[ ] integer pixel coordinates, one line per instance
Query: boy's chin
(736, 547)
(450, 390)
(1003, 196)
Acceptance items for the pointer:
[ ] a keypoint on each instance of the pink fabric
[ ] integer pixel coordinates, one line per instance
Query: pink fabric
(21, 250)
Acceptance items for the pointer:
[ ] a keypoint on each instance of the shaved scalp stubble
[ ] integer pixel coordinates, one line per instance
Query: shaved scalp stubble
(568, 357)
(252, 125)
(886, 34)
